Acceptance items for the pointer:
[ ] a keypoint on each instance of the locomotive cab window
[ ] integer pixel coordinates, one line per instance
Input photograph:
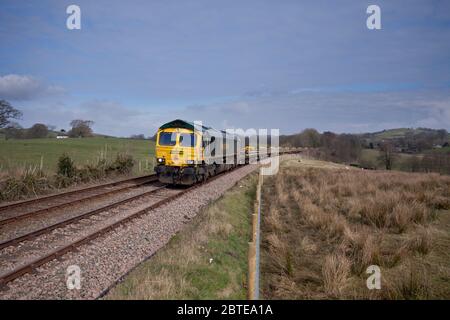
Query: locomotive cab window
(167, 138)
(188, 140)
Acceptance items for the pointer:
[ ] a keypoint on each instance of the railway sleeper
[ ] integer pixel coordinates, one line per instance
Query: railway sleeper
(189, 175)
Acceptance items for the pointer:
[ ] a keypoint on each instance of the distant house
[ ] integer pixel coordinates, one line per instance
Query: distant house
(61, 136)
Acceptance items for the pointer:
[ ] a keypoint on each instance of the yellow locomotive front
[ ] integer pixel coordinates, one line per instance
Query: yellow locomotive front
(180, 152)
(177, 147)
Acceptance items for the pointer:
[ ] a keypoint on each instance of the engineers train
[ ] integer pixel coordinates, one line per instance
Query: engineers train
(187, 153)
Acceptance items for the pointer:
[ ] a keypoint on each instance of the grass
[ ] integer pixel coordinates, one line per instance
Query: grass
(442, 150)
(369, 158)
(324, 225)
(23, 153)
(398, 133)
(183, 269)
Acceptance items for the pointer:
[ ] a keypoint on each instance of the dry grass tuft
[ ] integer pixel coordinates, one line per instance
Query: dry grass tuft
(335, 272)
(413, 284)
(420, 242)
(363, 249)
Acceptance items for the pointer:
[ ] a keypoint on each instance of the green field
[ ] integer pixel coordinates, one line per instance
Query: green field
(442, 150)
(369, 157)
(399, 133)
(18, 154)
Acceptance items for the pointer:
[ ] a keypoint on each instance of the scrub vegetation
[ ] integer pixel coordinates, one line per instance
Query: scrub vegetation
(323, 226)
(33, 181)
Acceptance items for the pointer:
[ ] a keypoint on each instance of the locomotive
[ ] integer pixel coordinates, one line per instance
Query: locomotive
(187, 153)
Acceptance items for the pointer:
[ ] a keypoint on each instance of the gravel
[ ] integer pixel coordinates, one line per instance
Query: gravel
(108, 258)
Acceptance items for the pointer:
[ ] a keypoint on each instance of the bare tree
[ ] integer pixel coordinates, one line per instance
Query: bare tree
(413, 163)
(38, 130)
(340, 148)
(310, 138)
(81, 128)
(137, 136)
(442, 136)
(14, 131)
(347, 148)
(7, 112)
(387, 155)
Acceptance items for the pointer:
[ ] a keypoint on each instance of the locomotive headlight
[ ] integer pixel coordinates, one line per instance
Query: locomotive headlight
(160, 160)
(190, 161)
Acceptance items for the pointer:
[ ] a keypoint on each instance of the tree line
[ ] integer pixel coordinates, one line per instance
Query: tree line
(329, 146)
(429, 162)
(13, 130)
(347, 148)
(412, 140)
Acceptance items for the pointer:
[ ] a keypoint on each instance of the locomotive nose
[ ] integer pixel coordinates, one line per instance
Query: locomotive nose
(177, 156)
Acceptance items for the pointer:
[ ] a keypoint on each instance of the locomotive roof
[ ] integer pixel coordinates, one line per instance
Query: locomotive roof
(182, 124)
(190, 126)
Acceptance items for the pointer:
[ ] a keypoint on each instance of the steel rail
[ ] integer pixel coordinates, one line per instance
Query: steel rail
(67, 193)
(34, 234)
(75, 201)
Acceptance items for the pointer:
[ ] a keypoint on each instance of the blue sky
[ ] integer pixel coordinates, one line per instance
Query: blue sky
(247, 64)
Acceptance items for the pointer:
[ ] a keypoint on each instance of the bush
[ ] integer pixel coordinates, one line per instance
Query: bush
(93, 172)
(33, 181)
(29, 182)
(62, 181)
(66, 166)
(123, 163)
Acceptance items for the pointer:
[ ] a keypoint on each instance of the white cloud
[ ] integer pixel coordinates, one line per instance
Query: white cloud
(335, 111)
(25, 87)
(325, 111)
(109, 117)
(439, 116)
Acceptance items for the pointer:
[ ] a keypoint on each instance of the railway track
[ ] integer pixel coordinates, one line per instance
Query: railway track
(30, 266)
(67, 199)
(51, 251)
(85, 215)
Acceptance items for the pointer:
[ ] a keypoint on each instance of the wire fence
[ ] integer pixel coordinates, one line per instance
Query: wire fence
(254, 246)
